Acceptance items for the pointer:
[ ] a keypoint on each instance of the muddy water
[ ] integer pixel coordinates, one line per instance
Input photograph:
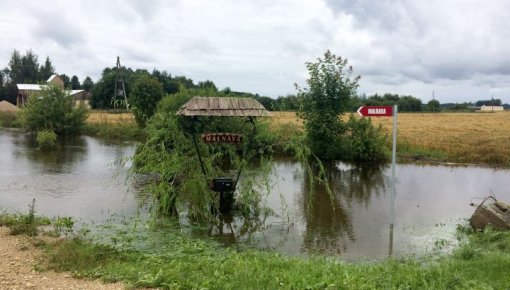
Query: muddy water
(430, 202)
(86, 179)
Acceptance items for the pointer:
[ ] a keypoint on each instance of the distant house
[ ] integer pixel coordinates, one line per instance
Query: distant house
(26, 91)
(485, 108)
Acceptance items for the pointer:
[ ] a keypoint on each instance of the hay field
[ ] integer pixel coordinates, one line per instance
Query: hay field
(102, 117)
(481, 138)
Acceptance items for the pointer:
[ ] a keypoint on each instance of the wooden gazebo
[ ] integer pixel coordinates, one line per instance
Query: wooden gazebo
(223, 107)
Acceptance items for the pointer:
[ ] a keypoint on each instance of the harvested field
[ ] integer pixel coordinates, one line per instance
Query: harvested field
(482, 138)
(103, 117)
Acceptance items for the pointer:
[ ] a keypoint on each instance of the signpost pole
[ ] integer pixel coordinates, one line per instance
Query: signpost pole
(393, 164)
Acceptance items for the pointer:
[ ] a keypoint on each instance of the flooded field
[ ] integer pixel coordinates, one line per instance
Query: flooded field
(86, 179)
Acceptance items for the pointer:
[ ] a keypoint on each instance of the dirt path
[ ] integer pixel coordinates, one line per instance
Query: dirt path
(18, 257)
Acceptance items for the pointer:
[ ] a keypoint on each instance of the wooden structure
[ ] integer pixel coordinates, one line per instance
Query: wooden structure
(224, 107)
(26, 91)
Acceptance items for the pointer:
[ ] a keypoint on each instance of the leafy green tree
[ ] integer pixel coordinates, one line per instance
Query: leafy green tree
(53, 109)
(14, 69)
(145, 94)
(75, 83)
(67, 80)
(87, 84)
(2, 88)
(102, 92)
(433, 106)
(30, 67)
(492, 102)
(46, 70)
(331, 85)
(170, 85)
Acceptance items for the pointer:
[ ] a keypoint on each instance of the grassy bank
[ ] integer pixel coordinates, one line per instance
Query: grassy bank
(118, 126)
(186, 263)
(476, 138)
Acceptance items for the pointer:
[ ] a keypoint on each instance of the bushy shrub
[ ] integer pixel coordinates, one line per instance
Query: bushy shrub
(53, 109)
(144, 97)
(9, 120)
(46, 140)
(367, 143)
(331, 87)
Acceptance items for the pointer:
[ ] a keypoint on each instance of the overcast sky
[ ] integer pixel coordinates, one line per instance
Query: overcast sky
(459, 49)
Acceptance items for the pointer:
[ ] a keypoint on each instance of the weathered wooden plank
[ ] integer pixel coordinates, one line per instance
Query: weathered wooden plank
(223, 106)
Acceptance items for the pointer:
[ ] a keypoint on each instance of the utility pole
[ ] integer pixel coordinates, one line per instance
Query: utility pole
(120, 89)
(433, 99)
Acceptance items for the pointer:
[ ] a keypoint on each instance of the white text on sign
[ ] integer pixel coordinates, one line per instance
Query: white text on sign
(377, 111)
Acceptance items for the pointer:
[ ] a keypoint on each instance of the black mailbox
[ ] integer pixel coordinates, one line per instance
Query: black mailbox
(222, 184)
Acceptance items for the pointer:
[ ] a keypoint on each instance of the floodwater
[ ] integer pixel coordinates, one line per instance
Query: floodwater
(86, 179)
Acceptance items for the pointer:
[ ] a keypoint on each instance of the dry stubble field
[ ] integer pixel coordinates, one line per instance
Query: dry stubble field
(481, 138)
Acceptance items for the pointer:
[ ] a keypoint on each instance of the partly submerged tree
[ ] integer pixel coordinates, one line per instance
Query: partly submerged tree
(53, 109)
(331, 86)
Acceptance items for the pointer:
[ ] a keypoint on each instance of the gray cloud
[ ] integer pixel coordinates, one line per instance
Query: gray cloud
(56, 26)
(402, 46)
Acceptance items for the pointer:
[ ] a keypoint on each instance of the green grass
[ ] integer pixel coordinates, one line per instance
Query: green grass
(118, 131)
(24, 224)
(9, 120)
(481, 262)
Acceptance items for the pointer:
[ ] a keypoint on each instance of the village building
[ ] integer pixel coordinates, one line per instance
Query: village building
(485, 108)
(26, 91)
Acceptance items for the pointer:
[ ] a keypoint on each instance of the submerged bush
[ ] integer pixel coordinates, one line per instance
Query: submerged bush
(331, 87)
(46, 140)
(53, 109)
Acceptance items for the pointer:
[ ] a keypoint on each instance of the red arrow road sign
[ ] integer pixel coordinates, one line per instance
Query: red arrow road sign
(375, 111)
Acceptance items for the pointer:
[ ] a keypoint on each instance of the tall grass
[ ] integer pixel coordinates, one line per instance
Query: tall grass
(119, 126)
(186, 263)
(9, 120)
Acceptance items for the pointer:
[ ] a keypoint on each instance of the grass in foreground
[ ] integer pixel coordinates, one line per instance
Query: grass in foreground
(187, 263)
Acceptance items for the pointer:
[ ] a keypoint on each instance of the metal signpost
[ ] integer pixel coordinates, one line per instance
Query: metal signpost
(386, 111)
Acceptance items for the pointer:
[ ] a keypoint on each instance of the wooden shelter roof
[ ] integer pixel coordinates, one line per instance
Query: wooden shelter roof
(223, 106)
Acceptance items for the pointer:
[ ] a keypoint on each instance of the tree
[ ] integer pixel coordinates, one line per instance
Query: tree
(433, 105)
(2, 89)
(30, 67)
(330, 87)
(53, 109)
(46, 70)
(102, 91)
(75, 83)
(145, 94)
(67, 81)
(87, 84)
(14, 70)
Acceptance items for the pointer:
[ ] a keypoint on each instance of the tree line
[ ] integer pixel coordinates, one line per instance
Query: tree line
(25, 68)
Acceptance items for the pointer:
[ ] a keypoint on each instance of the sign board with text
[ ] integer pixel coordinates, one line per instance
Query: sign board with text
(375, 111)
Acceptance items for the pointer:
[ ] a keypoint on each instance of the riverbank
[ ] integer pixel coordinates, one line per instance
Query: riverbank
(19, 259)
(482, 261)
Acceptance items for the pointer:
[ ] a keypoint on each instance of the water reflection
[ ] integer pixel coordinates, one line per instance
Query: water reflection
(83, 178)
(328, 220)
(70, 149)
